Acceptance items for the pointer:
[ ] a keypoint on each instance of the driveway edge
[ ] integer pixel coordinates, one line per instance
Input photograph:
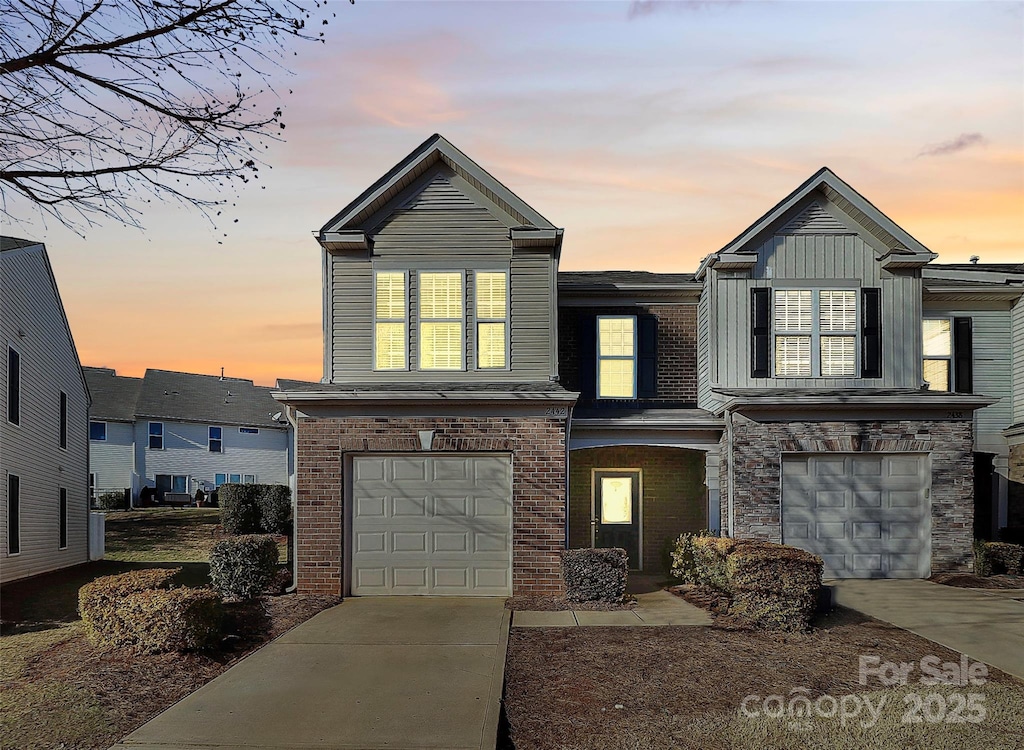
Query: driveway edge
(489, 734)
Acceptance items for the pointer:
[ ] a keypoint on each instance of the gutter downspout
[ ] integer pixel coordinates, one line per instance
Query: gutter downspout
(294, 482)
(568, 428)
(729, 457)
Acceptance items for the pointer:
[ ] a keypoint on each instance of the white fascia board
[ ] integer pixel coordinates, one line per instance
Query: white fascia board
(504, 396)
(774, 403)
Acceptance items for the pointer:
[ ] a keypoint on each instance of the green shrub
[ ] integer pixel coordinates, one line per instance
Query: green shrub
(682, 566)
(239, 508)
(275, 506)
(243, 566)
(180, 619)
(991, 558)
(773, 569)
(97, 601)
(111, 501)
(595, 574)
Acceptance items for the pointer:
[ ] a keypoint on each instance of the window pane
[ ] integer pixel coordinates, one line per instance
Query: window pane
(97, 430)
(491, 295)
(249, 479)
(156, 428)
(837, 310)
(220, 479)
(490, 341)
(793, 356)
(215, 433)
(234, 478)
(390, 343)
(13, 514)
(13, 386)
(615, 337)
(838, 356)
(793, 310)
(616, 378)
(179, 483)
(441, 346)
(62, 513)
(440, 295)
(616, 500)
(937, 338)
(391, 295)
(936, 372)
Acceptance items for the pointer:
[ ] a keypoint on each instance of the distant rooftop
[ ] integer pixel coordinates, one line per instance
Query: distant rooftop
(13, 243)
(623, 279)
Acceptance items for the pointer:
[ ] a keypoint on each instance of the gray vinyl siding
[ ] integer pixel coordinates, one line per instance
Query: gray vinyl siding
(441, 229)
(705, 399)
(1017, 318)
(111, 459)
(186, 451)
(32, 320)
(819, 257)
(993, 370)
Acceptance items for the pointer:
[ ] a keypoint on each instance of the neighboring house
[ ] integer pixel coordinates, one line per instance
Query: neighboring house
(44, 400)
(178, 432)
(481, 411)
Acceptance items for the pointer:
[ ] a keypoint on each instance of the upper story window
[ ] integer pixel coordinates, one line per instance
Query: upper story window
(215, 440)
(62, 519)
(63, 420)
(249, 430)
(947, 346)
(441, 321)
(389, 327)
(156, 436)
(616, 356)
(491, 320)
(815, 333)
(13, 514)
(13, 386)
(97, 430)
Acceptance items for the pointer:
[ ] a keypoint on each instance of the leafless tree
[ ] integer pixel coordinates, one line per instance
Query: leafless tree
(108, 105)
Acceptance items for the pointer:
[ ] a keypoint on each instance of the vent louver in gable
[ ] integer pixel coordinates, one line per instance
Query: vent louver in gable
(439, 194)
(815, 220)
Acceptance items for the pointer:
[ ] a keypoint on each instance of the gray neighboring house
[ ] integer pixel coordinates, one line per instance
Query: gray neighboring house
(820, 381)
(180, 432)
(44, 400)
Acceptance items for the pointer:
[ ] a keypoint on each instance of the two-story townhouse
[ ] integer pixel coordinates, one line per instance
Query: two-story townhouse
(177, 433)
(44, 407)
(481, 411)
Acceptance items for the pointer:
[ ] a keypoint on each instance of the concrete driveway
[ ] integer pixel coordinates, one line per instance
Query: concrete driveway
(384, 672)
(986, 626)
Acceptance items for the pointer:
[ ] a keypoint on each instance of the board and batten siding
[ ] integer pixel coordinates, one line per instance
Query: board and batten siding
(705, 398)
(186, 451)
(814, 257)
(32, 321)
(1017, 321)
(110, 460)
(440, 229)
(993, 370)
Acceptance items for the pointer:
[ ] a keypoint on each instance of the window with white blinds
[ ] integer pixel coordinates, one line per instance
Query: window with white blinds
(441, 320)
(390, 310)
(492, 319)
(815, 333)
(937, 341)
(616, 357)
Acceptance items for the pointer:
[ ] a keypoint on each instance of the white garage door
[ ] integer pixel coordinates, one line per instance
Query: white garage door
(866, 515)
(438, 525)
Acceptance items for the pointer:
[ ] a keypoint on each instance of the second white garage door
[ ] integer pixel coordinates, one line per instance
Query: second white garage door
(866, 515)
(435, 525)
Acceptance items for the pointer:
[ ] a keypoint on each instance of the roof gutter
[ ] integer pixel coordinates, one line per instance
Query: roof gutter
(421, 396)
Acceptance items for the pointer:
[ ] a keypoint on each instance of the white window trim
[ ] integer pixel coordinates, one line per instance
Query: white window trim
(507, 320)
(420, 320)
(62, 498)
(105, 428)
(210, 438)
(21, 401)
(598, 358)
(63, 407)
(244, 481)
(150, 436)
(7, 510)
(404, 321)
(815, 333)
(948, 358)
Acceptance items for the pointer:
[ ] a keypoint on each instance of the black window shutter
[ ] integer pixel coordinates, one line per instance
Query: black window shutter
(963, 355)
(760, 331)
(647, 356)
(588, 357)
(871, 333)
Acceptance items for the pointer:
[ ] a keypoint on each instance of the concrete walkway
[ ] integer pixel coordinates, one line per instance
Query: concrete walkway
(986, 626)
(401, 673)
(653, 608)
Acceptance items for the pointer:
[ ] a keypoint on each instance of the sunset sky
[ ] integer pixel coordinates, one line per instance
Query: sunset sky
(652, 132)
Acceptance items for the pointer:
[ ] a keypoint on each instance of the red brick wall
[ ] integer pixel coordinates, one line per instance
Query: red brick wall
(674, 494)
(538, 478)
(677, 347)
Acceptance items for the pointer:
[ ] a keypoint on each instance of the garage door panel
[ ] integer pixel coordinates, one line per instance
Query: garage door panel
(446, 525)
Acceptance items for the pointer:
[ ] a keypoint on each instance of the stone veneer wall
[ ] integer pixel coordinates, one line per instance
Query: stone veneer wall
(1015, 493)
(674, 494)
(538, 479)
(757, 456)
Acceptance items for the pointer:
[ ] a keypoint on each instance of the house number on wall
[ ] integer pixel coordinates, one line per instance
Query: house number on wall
(557, 411)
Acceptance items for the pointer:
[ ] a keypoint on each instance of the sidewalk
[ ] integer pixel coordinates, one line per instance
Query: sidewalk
(655, 608)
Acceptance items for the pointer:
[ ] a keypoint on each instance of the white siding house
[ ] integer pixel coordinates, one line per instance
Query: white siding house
(44, 407)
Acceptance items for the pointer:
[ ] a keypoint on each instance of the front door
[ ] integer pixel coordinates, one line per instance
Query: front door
(617, 512)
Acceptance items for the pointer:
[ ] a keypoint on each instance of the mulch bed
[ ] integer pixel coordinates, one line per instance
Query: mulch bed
(537, 603)
(970, 581)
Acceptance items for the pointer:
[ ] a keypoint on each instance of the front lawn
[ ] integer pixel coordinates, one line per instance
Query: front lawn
(682, 687)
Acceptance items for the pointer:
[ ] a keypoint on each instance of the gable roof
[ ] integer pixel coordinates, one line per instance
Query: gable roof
(188, 397)
(113, 396)
(623, 280)
(857, 208)
(436, 149)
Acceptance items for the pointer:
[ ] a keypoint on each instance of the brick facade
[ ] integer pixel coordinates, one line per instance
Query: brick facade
(677, 348)
(674, 495)
(1015, 491)
(757, 463)
(538, 478)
